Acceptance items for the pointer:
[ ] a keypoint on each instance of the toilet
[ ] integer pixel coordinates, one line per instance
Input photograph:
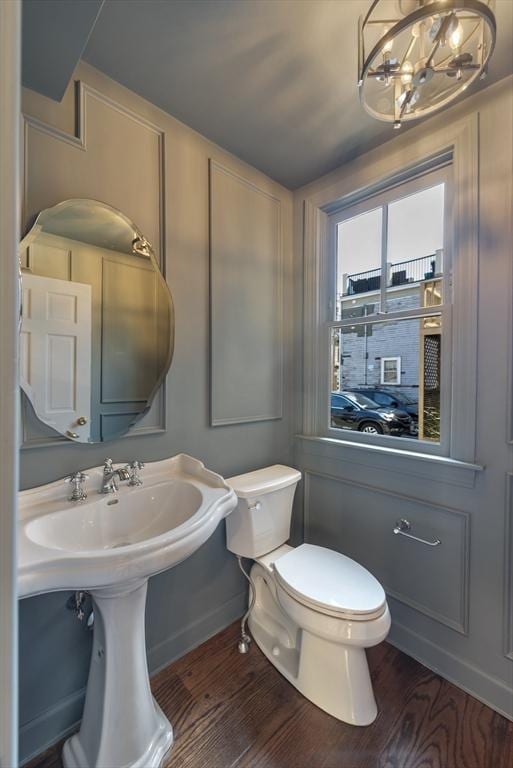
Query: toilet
(315, 610)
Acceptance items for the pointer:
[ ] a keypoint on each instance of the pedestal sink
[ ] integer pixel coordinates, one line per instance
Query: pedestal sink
(110, 545)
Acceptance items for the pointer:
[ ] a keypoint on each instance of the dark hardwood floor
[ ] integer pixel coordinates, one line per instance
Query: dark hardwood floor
(233, 711)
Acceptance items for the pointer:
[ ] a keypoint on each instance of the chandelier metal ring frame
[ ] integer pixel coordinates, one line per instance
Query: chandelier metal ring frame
(391, 72)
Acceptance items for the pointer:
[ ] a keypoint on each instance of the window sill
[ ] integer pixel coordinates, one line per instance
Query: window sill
(430, 466)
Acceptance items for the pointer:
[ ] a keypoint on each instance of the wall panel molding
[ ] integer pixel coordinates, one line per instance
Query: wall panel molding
(430, 512)
(155, 421)
(246, 300)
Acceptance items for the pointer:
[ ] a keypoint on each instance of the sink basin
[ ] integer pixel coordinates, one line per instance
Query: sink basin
(110, 545)
(167, 510)
(111, 539)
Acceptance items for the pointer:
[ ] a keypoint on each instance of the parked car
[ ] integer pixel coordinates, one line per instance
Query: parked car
(352, 410)
(393, 399)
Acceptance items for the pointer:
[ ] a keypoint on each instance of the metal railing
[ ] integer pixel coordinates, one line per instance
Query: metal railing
(362, 282)
(413, 271)
(401, 273)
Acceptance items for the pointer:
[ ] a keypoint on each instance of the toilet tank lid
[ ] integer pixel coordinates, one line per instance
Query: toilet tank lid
(264, 480)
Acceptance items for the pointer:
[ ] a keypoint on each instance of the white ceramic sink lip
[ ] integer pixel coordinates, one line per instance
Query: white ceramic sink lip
(44, 569)
(174, 534)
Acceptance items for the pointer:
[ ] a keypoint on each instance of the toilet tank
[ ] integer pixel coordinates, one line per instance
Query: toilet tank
(261, 520)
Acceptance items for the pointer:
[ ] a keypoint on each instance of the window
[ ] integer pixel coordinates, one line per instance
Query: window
(391, 370)
(391, 313)
(444, 333)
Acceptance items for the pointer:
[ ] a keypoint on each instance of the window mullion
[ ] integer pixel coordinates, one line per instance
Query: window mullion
(384, 256)
(403, 314)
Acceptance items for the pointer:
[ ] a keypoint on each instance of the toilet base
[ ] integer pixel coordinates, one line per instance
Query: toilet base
(333, 676)
(338, 681)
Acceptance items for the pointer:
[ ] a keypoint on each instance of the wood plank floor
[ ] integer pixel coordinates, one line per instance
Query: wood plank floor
(233, 711)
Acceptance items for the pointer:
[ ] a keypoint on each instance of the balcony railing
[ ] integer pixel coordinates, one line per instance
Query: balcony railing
(402, 273)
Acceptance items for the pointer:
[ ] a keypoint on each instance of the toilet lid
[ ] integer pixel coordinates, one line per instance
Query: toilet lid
(329, 580)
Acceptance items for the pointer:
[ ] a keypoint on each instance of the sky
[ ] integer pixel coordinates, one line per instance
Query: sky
(415, 229)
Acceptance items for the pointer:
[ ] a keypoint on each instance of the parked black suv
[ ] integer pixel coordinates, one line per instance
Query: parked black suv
(388, 399)
(352, 410)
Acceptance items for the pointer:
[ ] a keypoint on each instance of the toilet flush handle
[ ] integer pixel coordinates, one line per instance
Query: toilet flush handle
(256, 507)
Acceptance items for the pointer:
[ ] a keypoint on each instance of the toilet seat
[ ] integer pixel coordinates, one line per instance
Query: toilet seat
(330, 583)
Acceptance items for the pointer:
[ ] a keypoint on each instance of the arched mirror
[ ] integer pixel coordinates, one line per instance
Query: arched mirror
(97, 329)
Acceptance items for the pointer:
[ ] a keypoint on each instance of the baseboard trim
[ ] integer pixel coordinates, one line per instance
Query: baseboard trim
(52, 725)
(63, 718)
(488, 689)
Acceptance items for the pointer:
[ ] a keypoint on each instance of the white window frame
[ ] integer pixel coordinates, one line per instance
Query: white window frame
(397, 381)
(425, 148)
(416, 180)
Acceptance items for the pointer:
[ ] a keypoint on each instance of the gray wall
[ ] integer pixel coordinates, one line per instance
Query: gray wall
(452, 606)
(117, 161)
(454, 613)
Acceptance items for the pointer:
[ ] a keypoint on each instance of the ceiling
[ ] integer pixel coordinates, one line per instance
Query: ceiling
(55, 33)
(273, 81)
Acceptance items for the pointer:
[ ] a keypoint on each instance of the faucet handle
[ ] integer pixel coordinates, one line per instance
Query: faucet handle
(136, 464)
(107, 465)
(133, 469)
(77, 479)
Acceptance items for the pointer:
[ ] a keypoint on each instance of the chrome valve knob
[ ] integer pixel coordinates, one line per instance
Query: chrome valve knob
(133, 470)
(77, 481)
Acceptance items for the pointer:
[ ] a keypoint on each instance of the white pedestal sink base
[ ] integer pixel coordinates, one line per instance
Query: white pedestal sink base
(122, 725)
(110, 547)
(73, 756)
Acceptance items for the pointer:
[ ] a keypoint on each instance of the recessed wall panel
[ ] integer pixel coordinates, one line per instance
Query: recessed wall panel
(130, 176)
(48, 261)
(246, 300)
(129, 333)
(359, 521)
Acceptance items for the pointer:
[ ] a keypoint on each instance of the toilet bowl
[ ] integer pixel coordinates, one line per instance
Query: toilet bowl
(315, 610)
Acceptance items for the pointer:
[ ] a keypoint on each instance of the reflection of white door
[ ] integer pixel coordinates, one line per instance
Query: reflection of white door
(56, 352)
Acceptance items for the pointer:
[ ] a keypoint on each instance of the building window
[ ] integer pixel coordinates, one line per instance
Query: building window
(391, 370)
(391, 313)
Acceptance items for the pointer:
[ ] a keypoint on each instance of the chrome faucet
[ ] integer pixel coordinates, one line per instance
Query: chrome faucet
(111, 475)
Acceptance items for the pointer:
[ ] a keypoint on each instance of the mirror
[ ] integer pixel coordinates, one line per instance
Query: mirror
(97, 329)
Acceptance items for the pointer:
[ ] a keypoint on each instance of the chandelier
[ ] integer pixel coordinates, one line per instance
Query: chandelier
(416, 56)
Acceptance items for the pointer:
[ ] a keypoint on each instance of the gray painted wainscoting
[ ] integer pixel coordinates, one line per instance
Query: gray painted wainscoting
(129, 154)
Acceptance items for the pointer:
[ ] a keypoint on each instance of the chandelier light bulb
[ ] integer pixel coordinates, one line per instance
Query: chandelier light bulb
(406, 73)
(456, 37)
